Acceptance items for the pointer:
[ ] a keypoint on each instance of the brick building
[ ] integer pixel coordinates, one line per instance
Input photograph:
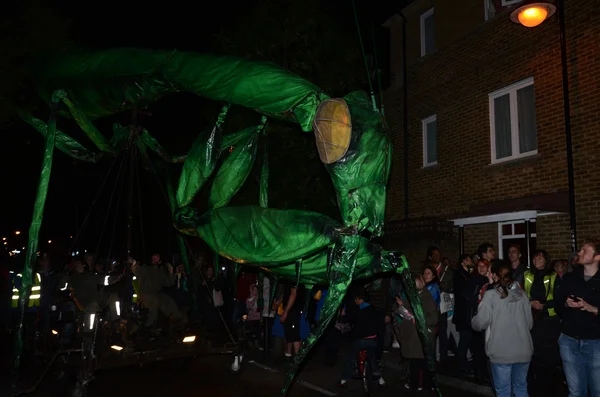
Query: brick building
(487, 159)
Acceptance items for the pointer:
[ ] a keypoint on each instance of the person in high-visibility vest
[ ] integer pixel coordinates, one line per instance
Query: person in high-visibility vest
(34, 295)
(539, 286)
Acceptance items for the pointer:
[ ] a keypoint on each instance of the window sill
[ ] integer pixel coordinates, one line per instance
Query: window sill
(430, 166)
(534, 158)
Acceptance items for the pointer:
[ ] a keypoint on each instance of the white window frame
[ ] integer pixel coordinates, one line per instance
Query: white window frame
(514, 120)
(506, 3)
(502, 237)
(424, 16)
(424, 123)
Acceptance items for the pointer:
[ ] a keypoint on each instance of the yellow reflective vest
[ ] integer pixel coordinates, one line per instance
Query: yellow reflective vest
(34, 295)
(136, 286)
(549, 281)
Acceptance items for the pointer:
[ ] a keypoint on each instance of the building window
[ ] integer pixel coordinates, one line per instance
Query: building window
(512, 122)
(427, 33)
(510, 2)
(513, 232)
(430, 141)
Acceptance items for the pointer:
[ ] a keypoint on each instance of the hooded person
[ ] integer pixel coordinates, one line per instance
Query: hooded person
(505, 315)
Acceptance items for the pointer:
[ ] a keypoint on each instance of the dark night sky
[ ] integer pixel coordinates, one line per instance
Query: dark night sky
(74, 185)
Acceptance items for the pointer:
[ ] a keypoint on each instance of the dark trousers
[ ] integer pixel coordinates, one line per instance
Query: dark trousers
(443, 336)
(367, 344)
(380, 336)
(543, 371)
(419, 374)
(480, 359)
(466, 338)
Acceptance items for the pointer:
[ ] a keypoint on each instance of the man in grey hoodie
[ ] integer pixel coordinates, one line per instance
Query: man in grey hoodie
(505, 315)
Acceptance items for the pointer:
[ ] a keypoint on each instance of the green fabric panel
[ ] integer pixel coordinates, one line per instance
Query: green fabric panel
(84, 122)
(63, 142)
(315, 267)
(105, 82)
(412, 293)
(250, 234)
(199, 165)
(233, 173)
(34, 228)
(360, 177)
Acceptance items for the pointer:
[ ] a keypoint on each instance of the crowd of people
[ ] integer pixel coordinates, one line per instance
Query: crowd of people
(516, 327)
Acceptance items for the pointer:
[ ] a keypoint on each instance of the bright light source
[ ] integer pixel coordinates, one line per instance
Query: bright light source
(92, 318)
(5, 243)
(118, 308)
(70, 236)
(533, 14)
(245, 317)
(17, 232)
(116, 347)
(49, 241)
(54, 332)
(189, 339)
(3, 238)
(223, 268)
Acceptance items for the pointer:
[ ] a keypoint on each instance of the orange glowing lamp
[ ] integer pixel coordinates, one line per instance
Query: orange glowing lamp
(531, 15)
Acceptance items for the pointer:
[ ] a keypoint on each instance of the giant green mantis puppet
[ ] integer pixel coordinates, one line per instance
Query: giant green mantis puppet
(306, 247)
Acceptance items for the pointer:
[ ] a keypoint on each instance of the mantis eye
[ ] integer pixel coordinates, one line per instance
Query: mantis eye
(333, 129)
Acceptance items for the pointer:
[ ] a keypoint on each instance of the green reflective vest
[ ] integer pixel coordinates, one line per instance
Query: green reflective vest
(548, 284)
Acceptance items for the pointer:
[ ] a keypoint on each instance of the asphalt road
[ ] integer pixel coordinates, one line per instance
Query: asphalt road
(210, 377)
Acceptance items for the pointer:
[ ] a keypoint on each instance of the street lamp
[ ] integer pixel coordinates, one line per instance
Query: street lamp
(531, 14)
(17, 232)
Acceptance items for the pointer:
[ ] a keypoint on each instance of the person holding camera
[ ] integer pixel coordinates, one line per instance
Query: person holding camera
(577, 299)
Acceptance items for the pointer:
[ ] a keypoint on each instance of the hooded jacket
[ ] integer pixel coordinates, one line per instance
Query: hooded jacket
(507, 322)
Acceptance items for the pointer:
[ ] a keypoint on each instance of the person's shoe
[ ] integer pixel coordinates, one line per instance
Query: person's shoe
(407, 386)
(450, 353)
(381, 382)
(343, 383)
(396, 345)
(467, 372)
(386, 351)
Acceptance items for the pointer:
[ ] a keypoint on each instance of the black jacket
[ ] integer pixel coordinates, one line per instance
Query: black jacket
(576, 323)
(365, 322)
(461, 303)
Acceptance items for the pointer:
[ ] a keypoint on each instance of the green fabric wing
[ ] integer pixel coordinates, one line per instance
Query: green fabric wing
(233, 173)
(199, 165)
(250, 234)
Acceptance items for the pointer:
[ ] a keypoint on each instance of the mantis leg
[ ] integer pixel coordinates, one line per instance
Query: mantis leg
(84, 122)
(63, 142)
(403, 269)
(34, 231)
(344, 262)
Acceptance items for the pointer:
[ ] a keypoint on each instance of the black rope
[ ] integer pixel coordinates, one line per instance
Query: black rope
(79, 231)
(212, 298)
(139, 191)
(195, 258)
(112, 239)
(112, 196)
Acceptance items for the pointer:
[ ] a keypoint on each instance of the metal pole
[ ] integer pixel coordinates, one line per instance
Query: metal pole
(405, 123)
(567, 115)
(528, 241)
